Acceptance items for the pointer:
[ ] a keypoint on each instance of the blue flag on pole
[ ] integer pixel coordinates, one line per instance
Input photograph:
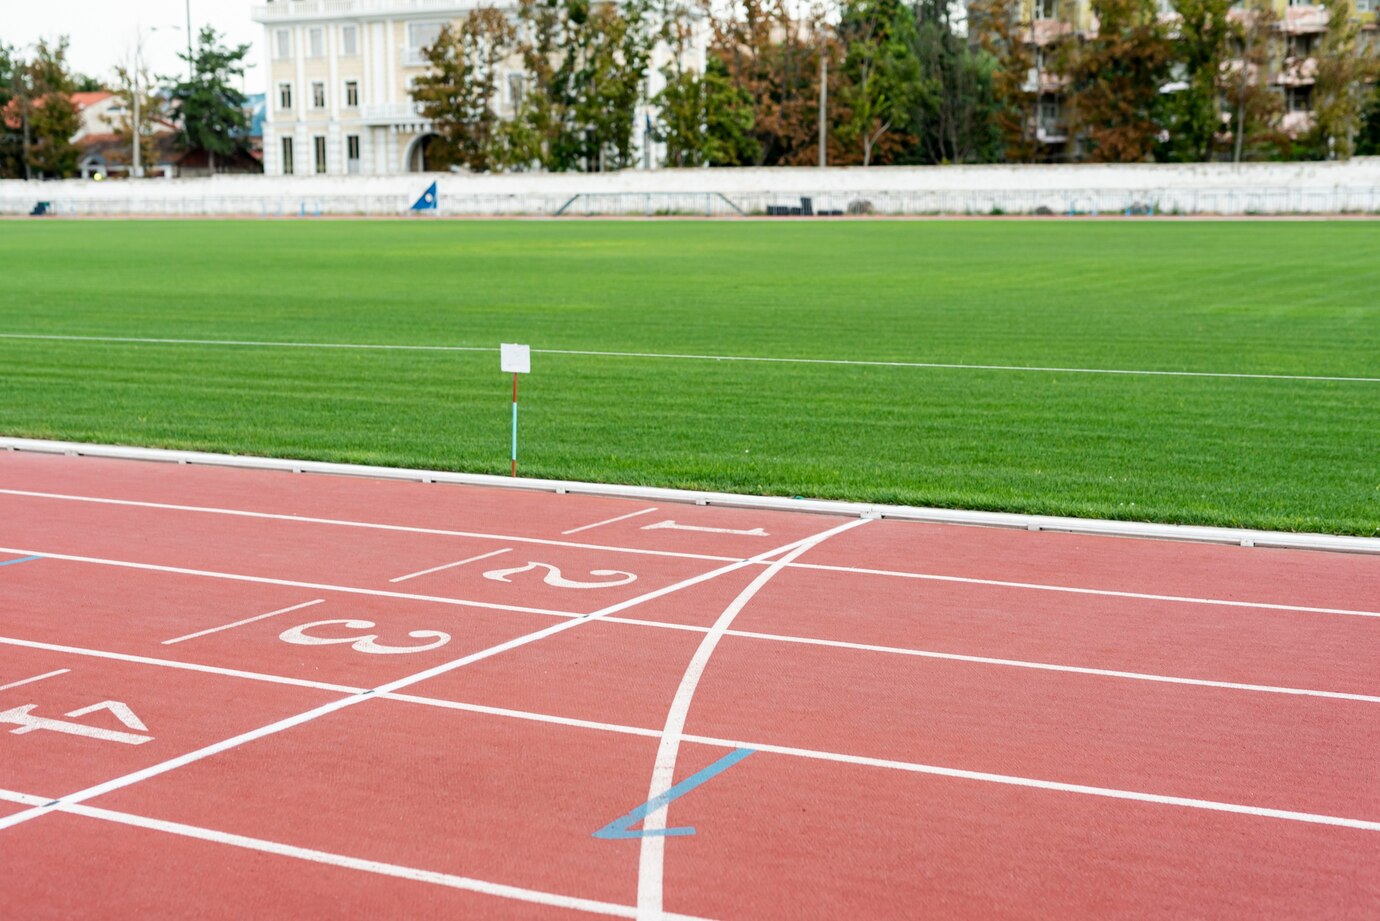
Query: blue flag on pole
(429, 201)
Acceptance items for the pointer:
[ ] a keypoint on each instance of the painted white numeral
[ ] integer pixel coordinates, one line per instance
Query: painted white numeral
(367, 644)
(553, 576)
(27, 722)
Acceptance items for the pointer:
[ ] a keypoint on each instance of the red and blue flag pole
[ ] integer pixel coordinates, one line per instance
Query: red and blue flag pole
(515, 423)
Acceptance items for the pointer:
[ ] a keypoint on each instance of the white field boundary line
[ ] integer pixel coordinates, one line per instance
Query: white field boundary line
(652, 853)
(347, 523)
(354, 699)
(679, 356)
(241, 623)
(1094, 526)
(397, 871)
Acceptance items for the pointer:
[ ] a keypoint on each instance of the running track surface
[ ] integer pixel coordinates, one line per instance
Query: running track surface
(236, 693)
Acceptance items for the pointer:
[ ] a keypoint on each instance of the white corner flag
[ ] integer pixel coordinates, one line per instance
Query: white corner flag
(518, 360)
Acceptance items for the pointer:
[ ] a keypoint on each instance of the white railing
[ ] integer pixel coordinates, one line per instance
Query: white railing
(396, 114)
(326, 9)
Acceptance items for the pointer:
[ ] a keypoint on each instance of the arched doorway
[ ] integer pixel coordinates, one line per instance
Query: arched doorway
(416, 155)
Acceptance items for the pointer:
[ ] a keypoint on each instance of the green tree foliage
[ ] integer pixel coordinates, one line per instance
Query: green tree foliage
(586, 64)
(47, 114)
(210, 109)
(459, 93)
(1203, 46)
(12, 70)
(999, 32)
(1345, 65)
(1116, 78)
(884, 80)
(1253, 109)
(705, 120)
(953, 120)
(1368, 140)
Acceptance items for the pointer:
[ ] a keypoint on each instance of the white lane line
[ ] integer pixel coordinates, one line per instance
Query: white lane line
(341, 703)
(1049, 667)
(241, 623)
(472, 559)
(1264, 812)
(185, 666)
(1108, 593)
(397, 871)
(24, 799)
(368, 525)
(52, 674)
(651, 857)
(598, 524)
(815, 754)
(318, 586)
(674, 356)
(1036, 586)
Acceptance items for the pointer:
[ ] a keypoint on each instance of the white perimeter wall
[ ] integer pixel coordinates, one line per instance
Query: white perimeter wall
(1198, 188)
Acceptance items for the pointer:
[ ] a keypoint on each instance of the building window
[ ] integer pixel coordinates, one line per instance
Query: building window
(349, 40)
(515, 83)
(1049, 110)
(285, 95)
(318, 95)
(319, 147)
(287, 156)
(420, 36)
(282, 44)
(316, 42)
(352, 94)
(1046, 9)
(352, 153)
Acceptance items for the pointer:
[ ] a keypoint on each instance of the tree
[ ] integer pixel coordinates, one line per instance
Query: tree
(882, 72)
(1253, 108)
(1368, 141)
(1344, 66)
(12, 70)
(210, 109)
(151, 111)
(459, 92)
(1202, 48)
(47, 114)
(1116, 77)
(1000, 35)
(953, 117)
(705, 120)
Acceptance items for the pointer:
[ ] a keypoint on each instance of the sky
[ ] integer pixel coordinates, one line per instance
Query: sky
(103, 32)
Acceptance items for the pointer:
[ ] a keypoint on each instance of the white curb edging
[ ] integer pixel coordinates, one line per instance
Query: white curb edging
(1237, 536)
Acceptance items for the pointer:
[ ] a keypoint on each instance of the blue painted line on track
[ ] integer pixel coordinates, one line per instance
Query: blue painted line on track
(22, 559)
(622, 827)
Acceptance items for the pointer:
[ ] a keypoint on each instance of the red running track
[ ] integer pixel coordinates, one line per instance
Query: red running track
(236, 693)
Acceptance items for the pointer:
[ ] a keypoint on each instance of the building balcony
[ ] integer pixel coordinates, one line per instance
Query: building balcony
(1304, 20)
(1298, 72)
(303, 10)
(399, 115)
(1043, 81)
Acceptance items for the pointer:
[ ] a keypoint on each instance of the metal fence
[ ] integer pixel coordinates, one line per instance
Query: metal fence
(1162, 201)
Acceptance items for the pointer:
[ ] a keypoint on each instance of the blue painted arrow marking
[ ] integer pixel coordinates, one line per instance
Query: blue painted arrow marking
(622, 827)
(22, 559)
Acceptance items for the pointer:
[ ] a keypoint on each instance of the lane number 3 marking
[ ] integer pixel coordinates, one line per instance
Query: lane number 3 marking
(553, 576)
(369, 644)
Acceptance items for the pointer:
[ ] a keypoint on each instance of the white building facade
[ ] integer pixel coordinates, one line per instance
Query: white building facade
(340, 75)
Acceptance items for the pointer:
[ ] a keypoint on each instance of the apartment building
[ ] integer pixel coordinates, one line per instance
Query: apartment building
(1292, 75)
(340, 78)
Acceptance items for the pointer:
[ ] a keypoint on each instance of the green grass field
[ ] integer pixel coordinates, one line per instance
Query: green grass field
(1247, 297)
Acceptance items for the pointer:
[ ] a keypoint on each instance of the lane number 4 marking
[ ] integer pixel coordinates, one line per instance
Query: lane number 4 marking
(27, 723)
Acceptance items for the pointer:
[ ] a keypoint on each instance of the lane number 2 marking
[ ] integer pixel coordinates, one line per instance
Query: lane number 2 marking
(553, 576)
(368, 644)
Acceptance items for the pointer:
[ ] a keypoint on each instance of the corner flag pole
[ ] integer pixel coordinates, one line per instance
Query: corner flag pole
(518, 360)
